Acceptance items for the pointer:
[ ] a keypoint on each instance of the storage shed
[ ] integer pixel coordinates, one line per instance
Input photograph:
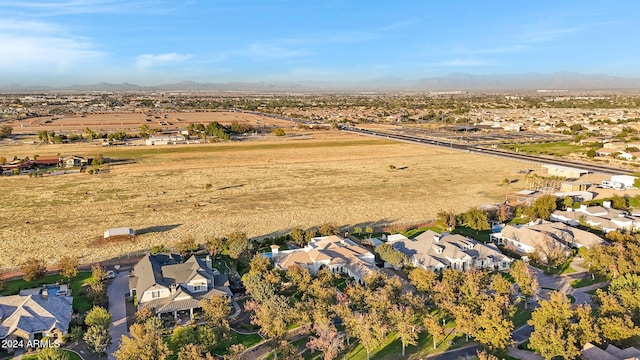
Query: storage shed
(121, 231)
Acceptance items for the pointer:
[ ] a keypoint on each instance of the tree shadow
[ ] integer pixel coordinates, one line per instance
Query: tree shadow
(156, 229)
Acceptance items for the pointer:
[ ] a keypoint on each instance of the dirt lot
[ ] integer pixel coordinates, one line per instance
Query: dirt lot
(260, 187)
(131, 122)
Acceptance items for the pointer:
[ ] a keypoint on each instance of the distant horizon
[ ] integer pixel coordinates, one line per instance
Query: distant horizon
(451, 82)
(149, 42)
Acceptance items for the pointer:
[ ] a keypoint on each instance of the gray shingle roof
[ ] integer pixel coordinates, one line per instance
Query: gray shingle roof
(33, 314)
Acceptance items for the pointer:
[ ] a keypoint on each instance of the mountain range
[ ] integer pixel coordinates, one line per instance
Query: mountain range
(450, 82)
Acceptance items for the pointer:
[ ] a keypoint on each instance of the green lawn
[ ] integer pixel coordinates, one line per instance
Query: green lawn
(391, 348)
(521, 316)
(81, 303)
(411, 233)
(565, 268)
(482, 235)
(551, 148)
(587, 281)
(71, 354)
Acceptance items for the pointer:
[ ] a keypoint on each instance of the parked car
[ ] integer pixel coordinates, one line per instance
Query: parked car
(111, 274)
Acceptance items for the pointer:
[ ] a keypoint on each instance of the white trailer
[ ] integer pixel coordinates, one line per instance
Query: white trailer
(626, 181)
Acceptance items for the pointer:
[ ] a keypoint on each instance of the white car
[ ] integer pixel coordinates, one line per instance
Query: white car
(111, 274)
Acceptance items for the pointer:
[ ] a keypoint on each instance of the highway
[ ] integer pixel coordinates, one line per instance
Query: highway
(492, 152)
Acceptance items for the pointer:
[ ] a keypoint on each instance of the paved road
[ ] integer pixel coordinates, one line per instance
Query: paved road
(465, 352)
(117, 289)
(522, 333)
(489, 151)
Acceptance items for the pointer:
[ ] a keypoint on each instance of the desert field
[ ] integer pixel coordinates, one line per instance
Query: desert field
(259, 187)
(132, 121)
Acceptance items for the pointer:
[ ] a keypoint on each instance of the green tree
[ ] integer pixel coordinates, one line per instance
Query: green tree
(369, 230)
(97, 291)
(193, 352)
(448, 218)
(309, 234)
(6, 131)
(567, 202)
(424, 280)
(391, 255)
(52, 353)
(297, 235)
(238, 243)
(187, 246)
(328, 229)
(403, 319)
(99, 274)
(76, 333)
(279, 132)
(143, 314)
(215, 246)
(144, 343)
(33, 269)
(98, 316)
(433, 327)
(493, 327)
(618, 202)
(545, 206)
(182, 336)
(68, 266)
(98, 339)
(476, 219)
(327, 339)
(370, 329)
(553, 336)
(216, 309)
(144, 131)
(524, 277)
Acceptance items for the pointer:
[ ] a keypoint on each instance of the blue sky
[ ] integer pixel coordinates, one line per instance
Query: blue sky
(150, 42)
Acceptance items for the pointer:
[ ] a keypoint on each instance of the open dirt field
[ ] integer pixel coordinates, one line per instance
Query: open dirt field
(259, 187)
(132, 121)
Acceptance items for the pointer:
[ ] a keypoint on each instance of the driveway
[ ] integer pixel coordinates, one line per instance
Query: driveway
(117, 289)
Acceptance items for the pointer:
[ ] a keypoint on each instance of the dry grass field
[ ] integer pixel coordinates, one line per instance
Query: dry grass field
(132, 121)
(259, 187)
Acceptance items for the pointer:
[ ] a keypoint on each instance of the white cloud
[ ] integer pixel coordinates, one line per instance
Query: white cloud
(55, 8)
(546, 35)
(34, 47)
(146, 61)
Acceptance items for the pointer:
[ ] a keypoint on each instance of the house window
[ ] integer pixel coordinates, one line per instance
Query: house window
(155, 294)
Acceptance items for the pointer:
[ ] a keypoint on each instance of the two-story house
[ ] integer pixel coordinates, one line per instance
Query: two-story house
(165, 285)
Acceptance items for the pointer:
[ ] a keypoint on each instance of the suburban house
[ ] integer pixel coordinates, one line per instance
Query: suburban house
(34, 315)
(74, 161)
(437, 252)
(166, 285)
(335, 253)
(543, 235)
(611, 352)
(602, 217)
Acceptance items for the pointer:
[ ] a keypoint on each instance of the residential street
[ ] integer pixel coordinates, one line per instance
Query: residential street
(117, 289)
